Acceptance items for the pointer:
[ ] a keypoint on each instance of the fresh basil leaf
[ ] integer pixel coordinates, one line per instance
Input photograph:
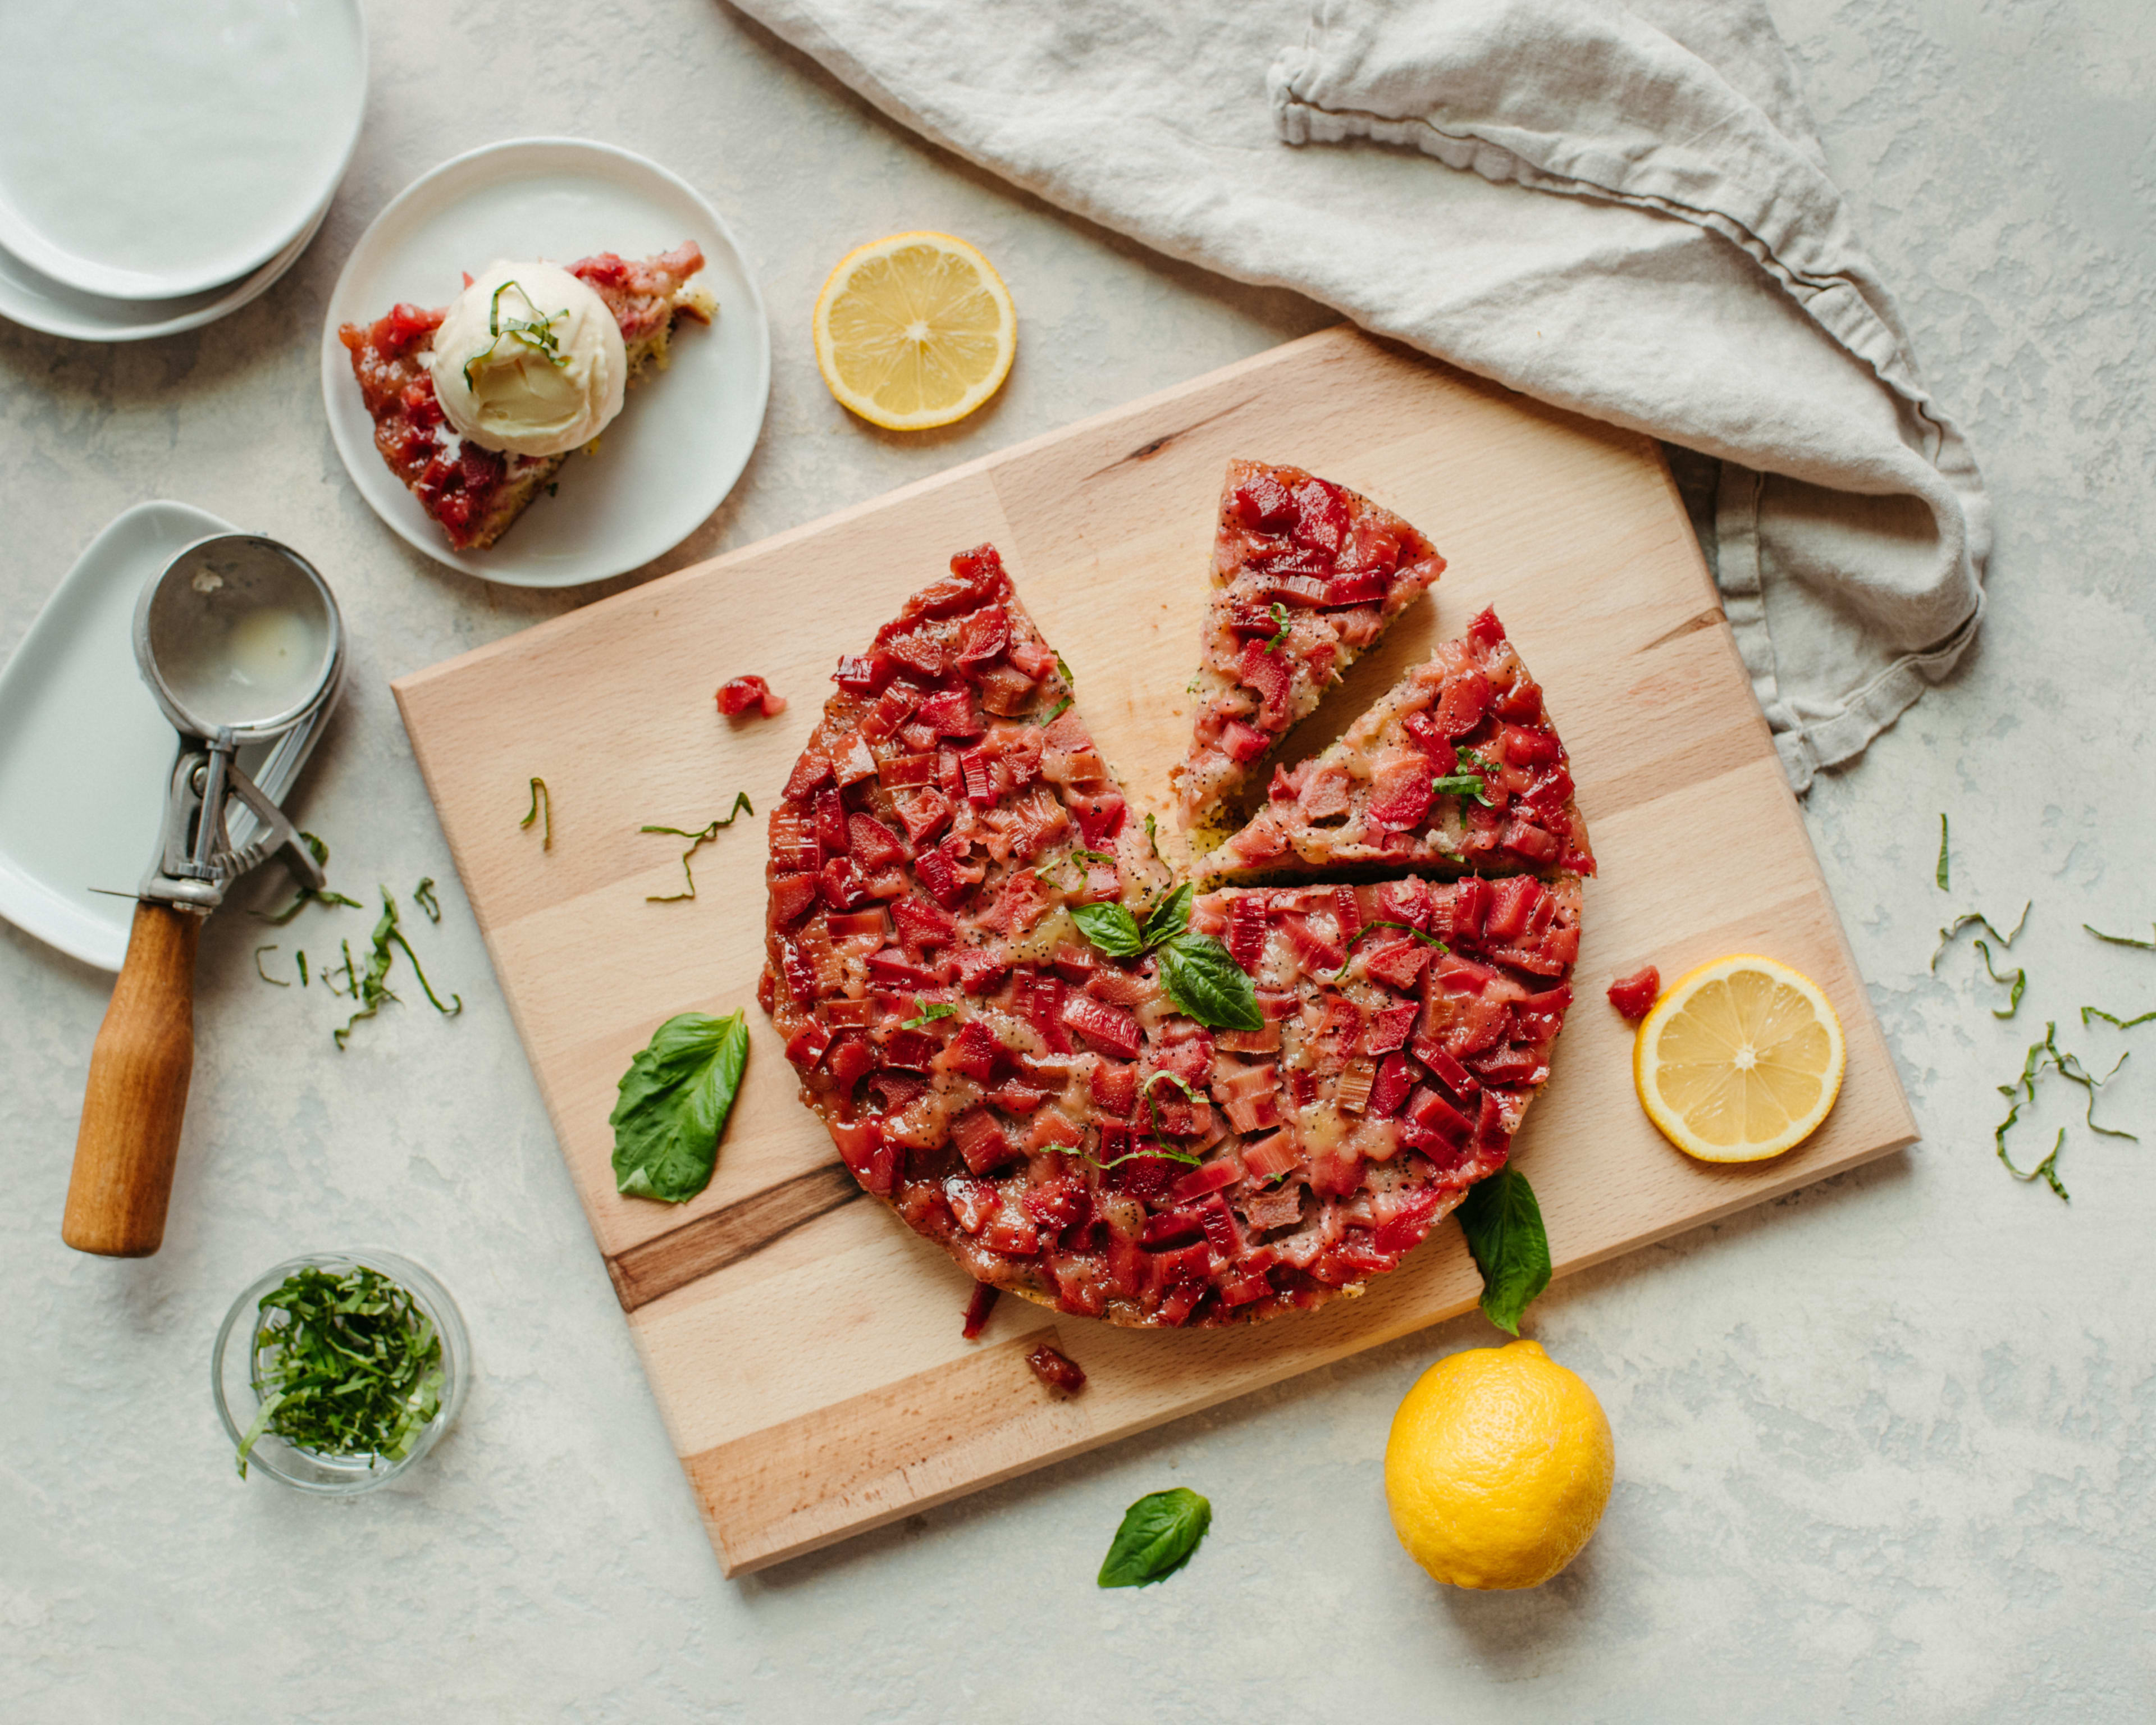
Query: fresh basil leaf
(1206, 983)
(1170, 916)
(1109, 928)
(1504, 1228)
(675, 1100)
(1158, 1533)
(1461, 784)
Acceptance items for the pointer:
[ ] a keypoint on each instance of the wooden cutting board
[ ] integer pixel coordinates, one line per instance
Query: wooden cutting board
(804, 1345)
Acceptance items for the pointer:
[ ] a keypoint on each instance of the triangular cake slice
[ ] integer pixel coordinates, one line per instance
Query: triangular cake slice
(1458, 768)
(1040, 1105)
(475, 494)
(1307, 577)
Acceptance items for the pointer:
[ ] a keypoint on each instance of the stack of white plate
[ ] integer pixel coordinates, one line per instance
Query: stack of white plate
(163, 161)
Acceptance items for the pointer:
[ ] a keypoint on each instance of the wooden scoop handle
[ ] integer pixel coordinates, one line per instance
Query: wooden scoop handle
(137, 1093)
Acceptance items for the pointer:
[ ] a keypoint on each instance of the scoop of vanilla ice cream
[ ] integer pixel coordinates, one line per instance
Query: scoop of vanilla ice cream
(529, 360)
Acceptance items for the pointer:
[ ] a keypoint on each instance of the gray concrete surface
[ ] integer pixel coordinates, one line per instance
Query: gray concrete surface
(1884, 1448)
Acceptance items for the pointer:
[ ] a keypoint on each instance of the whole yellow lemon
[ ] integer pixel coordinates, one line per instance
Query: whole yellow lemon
(1498, 1467)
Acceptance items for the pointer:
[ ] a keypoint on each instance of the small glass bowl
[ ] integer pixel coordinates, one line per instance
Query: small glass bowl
(238, 1398)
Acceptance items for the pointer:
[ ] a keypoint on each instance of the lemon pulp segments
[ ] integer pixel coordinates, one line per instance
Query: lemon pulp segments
(914, 331)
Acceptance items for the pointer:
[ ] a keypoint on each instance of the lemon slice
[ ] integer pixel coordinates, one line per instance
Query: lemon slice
(914, 330)
(1739, 1060)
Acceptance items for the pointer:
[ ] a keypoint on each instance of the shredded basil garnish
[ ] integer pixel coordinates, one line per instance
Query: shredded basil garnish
(2043, 1056)
(274, 982)
(929, 1011)
(541, 803)
(1055, 712)
(371, 987)
(308, 895)
(423, 896)
(2127, 940)
(2018, 980)
(1462, 784)
(535, 332)
(1278, 612)
(2097, 1012)
(1940, 873)
(1977, 919)
(355, 1369)
(698, 838)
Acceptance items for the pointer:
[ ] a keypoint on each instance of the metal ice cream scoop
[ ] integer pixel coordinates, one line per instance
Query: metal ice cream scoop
(241, 643)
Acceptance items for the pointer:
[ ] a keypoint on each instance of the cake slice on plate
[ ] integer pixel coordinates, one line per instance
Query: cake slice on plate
(477, 403)
(1307, 578)
(1458, 766)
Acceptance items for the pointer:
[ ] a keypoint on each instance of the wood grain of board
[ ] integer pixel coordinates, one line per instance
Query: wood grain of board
(803, 1345)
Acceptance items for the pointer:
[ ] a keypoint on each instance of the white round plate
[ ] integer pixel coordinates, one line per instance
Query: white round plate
(151, 150)
(686, 432)
(41, 303)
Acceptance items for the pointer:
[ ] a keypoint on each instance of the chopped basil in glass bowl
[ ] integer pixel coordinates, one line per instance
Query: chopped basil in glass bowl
(337, 1371)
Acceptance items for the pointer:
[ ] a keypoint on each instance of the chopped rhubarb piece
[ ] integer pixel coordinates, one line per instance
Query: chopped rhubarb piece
(920, 924)
(1460, 708)
(980, 1140)
(1430, 1111)
(1270, 674)
(978, 1309)
(812, 769)
(1113, 1028)
(874, 845)
(1056, 1369)
(808, 1043)
(1224, 1171)
(791, 896)
(1243, 742)
(1173, 1228)
(951, 712)
(865, 675)
(1394, 1081)
(1408, 1225)
(980, 968)
(1522, 702)
(842, 888)
(1356, 1080)
(1635, 995)
(1115, 1087)
(1389, 1028)
(1270, 1158)
(1398, 964)
(1100, 816)
(1246, 928)
(939, 875)
(1444, 1068)
(1013, 1239)
(975, 1052)
(904, 771)
(737, 696)
(1511, 902)
(1530, 843)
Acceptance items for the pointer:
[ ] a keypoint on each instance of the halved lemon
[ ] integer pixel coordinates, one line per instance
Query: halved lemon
(1739, 1060)
(914, 330)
